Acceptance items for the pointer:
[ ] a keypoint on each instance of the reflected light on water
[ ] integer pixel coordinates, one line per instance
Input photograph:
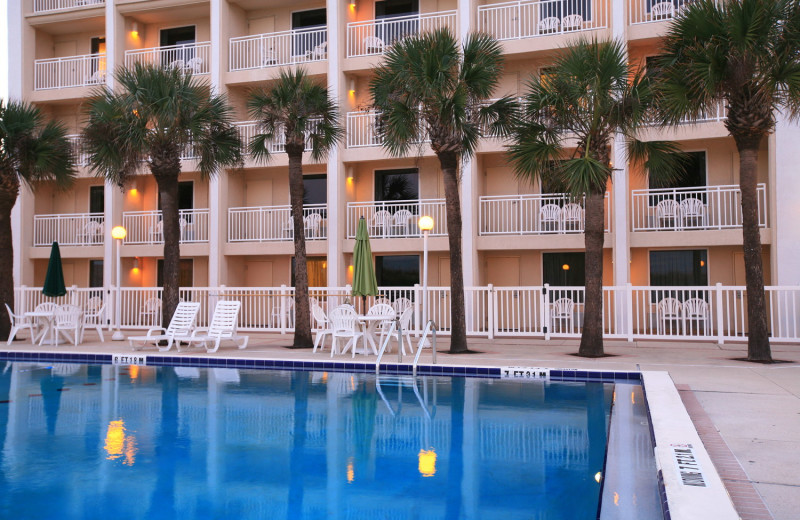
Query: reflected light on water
(351, 474)
(633, 398)
(427, 462)
(616, 498)
(134, 371)
(118, 444)
(598, 477)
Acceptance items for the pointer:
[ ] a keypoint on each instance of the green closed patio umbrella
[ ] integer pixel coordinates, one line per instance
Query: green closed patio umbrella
(54, 280)
(364, 283)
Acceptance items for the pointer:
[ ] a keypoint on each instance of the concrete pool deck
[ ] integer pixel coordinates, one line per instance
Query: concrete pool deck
(748, 415)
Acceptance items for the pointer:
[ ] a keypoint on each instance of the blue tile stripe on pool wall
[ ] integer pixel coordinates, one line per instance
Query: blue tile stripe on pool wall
(338, 366)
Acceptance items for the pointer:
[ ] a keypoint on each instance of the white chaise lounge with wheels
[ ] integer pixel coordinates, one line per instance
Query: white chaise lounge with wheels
(181, 324)
(222, 328)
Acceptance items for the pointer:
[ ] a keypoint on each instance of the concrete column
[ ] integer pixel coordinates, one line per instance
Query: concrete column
(784, 211)
(16, 26)
(469, 179)
(335, 170)
(620, 196)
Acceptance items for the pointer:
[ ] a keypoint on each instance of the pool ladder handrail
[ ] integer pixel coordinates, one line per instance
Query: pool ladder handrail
(430, 328)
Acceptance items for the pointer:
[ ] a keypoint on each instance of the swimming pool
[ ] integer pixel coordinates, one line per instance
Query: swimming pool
(84, 441)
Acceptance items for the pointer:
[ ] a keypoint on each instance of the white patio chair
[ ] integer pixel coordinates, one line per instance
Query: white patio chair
(322, 326)
(695, 314)
(669, 316)
(406, 317)
(667, 214)
(572, 22)
(572, 217)
(195, 65)
(401, 304)
(67, 322)
(550, 217)
(94, 315)
(373, 45)
(693, 213)
(177, 64)
(381, 309)
(549, 25)
(181, 324)
(43, 323)
(19, 322)
(662, 11)
(157, 232)
(97, 77)
(381, 224)
(222, 328)
(344, 325)
(320, 52)
(562, 313)
(402, 221)
(150, 315)
(288, 309)
(312, 224)
(92, 233)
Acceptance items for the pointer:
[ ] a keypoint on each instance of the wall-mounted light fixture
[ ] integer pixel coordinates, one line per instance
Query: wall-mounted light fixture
(352, 88)
(135, 30)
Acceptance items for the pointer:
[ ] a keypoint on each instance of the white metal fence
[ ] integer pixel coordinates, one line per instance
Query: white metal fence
(397, 218)
(274, 223)
(364, 129)
(677, 209)
(146, 227)
(69, 71)
(534, 214)
(188, 57)
(646, 11)
(713, 313)
(69, 229)
(278, 48)
(526, 19)
(41, 6)
(373, 37)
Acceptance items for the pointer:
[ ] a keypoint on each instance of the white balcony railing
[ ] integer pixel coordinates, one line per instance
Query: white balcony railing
(274, 223)
(373, 37)
(647, 11)
(69, 71)
(277, 49)
(146, 227)
(249, 129)
(363, 129)
(43, 6)
(189, 57)
(679, 209)
(535, 214)
(81, 157)
(69, 229)
(526, 19)
(396, 219)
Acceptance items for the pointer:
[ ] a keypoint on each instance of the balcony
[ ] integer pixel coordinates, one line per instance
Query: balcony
(249, 129)
(647, 11)
(278, 49)
(373, 37)
(189, 57)
(69, 229)
(70, 71)
(46, 6)
(363, 129)
(535, 214)
(146, 227)
(517, 20)
(274, 223)
(81, 157)
(686, 209)
(396, 219)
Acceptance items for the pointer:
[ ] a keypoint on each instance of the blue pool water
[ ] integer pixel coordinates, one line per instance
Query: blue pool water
(86, 442)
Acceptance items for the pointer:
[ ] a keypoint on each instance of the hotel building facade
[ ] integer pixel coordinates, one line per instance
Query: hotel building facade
(234, 227)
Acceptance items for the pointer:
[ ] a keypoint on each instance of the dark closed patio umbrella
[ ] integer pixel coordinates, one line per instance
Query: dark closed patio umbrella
(364, 282)
(54, 280)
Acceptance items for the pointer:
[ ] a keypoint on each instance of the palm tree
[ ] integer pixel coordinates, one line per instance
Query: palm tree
(429, 86)
(304, 114)
(745, 54)
(590, 94)
(157, 115)
(31, 150)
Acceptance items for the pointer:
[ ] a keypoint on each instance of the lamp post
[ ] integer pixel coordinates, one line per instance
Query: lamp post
(425, 224)
(118, 233)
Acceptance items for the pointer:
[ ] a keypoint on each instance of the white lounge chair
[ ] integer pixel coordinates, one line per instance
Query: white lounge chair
(181, 324)
(222, 328)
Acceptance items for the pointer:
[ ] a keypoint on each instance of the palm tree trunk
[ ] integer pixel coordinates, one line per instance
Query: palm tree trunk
(302, 315)
(592, 334)
(166, 172)
(758, 348)
(6, 263)
(458, 327)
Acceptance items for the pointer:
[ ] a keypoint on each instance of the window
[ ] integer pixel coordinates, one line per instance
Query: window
(397, 184)
(185, 195)
(317, 271)
(679, 268)
(95, 273)
(96, 199)
(397, 271)
(564, 269)
(183, 38)
(98, 47)
(393, 30)
(693, 176)
(185, 272)
(315, 189)
(177, 36)
(393, 8)
(306, 23)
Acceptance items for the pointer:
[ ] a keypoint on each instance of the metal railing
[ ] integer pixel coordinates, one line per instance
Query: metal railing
(647, 11)
(43, 6)
(681, 209)
(713, 313)
(516, 20)
(69, 229)
(534, 214)
(397, 218)
(274, 223)
(81, 156)
(279, 48)
(249, 129)
(372, 37)
(146, 227)
(69, 71)
(188, 57)
(364, 129)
